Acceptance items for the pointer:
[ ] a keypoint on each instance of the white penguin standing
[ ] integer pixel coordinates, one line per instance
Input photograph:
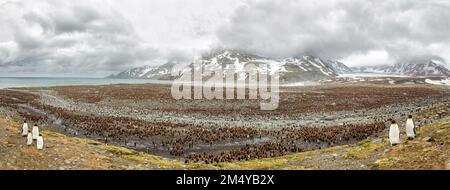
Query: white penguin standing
(24, 129)
(35, 132)
(29, 139)
(410, 128)
(40, 142)
(394, 134)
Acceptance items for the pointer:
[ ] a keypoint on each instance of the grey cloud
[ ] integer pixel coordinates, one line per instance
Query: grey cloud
(80, 19)
(74, 39)
(336, 29)
(81, 37)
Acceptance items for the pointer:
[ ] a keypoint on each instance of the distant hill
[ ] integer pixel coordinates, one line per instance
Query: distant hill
(426, 68)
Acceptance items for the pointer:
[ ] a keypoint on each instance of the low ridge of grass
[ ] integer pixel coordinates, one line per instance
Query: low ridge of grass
(364, 149)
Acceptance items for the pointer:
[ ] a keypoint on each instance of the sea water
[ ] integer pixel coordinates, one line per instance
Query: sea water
(13, 82)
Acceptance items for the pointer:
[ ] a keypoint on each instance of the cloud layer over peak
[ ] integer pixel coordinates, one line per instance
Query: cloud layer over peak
(101, 37)
(70, 39)
(340, 29)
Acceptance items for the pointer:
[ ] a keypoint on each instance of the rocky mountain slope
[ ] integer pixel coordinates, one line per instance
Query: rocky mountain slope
(291, 70)
(294, 69)
(411, 68)
(162, 72)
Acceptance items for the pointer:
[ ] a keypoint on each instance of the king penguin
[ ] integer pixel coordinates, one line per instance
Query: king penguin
(35, 132)
(410, 128)
(40, 142)
(24, 129)
(394, 134)
(29, 139)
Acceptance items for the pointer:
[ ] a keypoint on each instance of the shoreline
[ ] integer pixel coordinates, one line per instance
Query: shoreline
(48, 82)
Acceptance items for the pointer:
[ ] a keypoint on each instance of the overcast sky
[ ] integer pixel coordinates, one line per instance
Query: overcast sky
(100, 37)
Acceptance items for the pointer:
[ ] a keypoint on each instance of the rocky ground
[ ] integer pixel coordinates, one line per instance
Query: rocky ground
(322, 105)
(146, 119)
(68, 153)
(430, 150)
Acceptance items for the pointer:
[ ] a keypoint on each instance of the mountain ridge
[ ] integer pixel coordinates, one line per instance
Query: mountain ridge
(423, 68)
(291, 69)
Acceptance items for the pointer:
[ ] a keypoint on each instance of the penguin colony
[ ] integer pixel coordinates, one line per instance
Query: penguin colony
(32, 135)
(287, 140)
(291, 140)
(181, 140)
(316, 101)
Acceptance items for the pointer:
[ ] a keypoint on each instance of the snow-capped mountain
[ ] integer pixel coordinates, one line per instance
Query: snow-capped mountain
(305, 68)
(162, 72)
(411, 68)
(339, 67)
(294, 69)
(133, 73)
